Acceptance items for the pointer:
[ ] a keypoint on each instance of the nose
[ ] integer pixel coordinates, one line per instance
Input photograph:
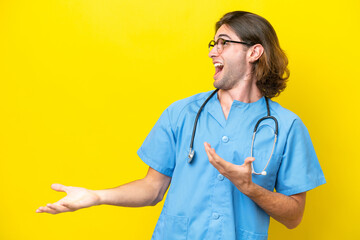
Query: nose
(214, 52)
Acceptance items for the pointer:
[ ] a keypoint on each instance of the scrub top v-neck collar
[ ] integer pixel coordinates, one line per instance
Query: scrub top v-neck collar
(237, 107)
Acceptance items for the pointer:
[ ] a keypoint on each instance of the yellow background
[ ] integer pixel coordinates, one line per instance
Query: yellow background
(83, 82)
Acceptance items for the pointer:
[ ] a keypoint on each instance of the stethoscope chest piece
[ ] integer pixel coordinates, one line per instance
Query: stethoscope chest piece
(191, 155)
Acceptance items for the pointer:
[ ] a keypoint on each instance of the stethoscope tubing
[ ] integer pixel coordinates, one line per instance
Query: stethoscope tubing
(192, 152)
(263, 172)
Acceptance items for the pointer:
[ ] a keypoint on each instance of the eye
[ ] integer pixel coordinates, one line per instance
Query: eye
(221, 42)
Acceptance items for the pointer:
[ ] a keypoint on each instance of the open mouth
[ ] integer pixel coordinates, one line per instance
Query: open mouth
(218, 68)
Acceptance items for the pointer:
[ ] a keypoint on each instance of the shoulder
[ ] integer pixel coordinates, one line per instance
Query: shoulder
(184, 105)
(285, 117)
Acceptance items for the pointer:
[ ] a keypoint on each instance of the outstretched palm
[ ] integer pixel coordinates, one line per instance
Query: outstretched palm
(75, 199)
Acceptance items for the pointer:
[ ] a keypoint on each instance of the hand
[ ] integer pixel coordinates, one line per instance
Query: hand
(239, 175)
(76, 198)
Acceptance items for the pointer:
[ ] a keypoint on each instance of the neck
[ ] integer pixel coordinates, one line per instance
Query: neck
(245, 91)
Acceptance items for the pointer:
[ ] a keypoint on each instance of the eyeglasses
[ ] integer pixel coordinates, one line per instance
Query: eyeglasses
(220, 43)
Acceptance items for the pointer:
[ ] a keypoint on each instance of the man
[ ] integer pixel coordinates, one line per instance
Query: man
(223, 194)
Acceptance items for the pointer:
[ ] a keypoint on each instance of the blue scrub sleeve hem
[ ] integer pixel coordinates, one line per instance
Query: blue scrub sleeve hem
(153, 164)
(302, 188)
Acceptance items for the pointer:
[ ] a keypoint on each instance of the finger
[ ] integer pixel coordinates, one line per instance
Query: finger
(207, 150)
(210, 152)
(215, 159)
(58, 208)
(70, 206)
(46, 210)
(248, 161)
(59, 187)
(39, 210)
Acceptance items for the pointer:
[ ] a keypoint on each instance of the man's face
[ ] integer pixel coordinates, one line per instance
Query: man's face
(231, 65)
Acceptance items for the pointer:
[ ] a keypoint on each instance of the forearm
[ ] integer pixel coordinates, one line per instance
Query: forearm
(144, 192)
(287, 210)
(138, 193)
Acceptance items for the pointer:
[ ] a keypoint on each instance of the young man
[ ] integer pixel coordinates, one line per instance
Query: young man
(224, 190)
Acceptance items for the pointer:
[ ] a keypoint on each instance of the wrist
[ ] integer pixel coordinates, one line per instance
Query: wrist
(99, 197)
(248, 189)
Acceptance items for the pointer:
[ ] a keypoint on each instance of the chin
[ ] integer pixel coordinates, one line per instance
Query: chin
(217, 85)
(224, 84)
(220, 83)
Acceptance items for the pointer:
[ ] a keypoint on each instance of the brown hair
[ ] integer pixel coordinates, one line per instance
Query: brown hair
(270, 69)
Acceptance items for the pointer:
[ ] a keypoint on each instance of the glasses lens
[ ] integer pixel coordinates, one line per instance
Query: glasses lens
(211, 45)
(220, 44)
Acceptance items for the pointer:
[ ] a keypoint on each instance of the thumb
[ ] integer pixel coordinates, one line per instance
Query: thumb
(248, 161)
(59, 187)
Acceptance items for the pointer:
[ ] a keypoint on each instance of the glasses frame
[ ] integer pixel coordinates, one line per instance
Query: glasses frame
(214, 43)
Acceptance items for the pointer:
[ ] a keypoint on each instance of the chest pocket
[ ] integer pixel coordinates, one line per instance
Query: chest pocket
(262, 151)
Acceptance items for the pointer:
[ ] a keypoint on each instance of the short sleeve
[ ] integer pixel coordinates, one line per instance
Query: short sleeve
(299, 170)
(158, 149)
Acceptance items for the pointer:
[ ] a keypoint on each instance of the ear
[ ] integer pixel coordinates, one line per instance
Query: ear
(255, 52)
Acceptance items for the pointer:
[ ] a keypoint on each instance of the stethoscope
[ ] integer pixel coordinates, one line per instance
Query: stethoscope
(263, 172)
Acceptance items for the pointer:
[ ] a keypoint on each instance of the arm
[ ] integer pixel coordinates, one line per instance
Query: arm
(287, 210)
(144, 192)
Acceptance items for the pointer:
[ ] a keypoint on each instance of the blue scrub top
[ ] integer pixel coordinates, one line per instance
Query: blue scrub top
(203, 204)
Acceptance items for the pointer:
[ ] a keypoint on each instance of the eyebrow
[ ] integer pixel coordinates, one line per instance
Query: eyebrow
(224, 35)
